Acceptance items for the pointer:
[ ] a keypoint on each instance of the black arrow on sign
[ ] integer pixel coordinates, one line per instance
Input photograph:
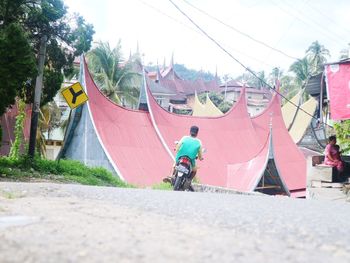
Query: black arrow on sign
(75, 94)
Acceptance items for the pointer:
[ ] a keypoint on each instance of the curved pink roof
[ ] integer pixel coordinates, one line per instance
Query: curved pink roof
(289, 159)
(128, 138)
(140, 144)
(229, 139)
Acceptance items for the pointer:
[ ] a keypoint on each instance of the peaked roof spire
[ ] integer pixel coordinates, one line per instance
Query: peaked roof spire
(172, 60)
(164, 63)
(137, 48)
(158, 73)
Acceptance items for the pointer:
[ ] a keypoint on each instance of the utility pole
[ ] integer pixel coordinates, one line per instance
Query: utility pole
(37, 96)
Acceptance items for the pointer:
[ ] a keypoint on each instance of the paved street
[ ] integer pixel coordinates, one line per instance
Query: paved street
(73, 223)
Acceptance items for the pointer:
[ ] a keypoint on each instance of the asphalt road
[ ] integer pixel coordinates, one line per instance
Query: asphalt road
(73, 223)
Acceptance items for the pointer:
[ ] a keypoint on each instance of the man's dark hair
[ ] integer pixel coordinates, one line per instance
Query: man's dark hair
(332, 138)
(194, 130)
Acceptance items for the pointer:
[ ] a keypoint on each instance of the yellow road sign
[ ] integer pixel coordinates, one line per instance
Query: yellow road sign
(74, 95)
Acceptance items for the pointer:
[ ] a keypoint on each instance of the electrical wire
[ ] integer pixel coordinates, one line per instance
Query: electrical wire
(240, 32)
(327, 16)
(198, 32)
(246, 35)
(319, 27)
(310, 18)
(236, 60)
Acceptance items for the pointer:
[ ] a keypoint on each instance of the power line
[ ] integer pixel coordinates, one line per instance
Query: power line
(239, 31)
(194, 30)
(240, 63)
(319, 27)
(313, 19)
(327, 16)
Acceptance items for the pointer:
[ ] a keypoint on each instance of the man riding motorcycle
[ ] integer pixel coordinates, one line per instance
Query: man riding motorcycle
(191, 147)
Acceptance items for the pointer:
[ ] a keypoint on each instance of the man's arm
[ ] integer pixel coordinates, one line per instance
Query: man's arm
(178, 145)
(200, 153)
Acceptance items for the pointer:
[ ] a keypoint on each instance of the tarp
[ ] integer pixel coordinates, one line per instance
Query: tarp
(338, 87)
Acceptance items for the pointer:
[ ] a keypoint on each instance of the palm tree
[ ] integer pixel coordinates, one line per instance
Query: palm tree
(317, 55)
(116, 77)
(301, 69)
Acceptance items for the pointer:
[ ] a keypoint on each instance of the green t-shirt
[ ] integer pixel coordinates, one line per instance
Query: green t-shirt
(189, 146)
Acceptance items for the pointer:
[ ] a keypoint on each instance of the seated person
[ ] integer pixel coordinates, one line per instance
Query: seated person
(338, 152)
(333, 158)
(332, 155)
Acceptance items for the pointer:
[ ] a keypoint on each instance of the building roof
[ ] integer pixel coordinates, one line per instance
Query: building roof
(146, 140)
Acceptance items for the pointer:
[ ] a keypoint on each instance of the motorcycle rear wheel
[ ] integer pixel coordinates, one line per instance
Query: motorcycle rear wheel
(177, 184)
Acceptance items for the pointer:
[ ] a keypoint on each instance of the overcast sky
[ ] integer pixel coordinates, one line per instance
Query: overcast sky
(287, 25)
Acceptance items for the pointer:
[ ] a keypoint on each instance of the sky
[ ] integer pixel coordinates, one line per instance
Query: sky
(161, 31)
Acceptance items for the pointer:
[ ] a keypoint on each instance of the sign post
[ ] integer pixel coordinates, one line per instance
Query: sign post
(74, 95)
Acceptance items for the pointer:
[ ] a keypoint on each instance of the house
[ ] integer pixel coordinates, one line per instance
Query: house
(257, 99)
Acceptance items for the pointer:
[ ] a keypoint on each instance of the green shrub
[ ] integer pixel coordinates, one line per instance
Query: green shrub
(69, 170)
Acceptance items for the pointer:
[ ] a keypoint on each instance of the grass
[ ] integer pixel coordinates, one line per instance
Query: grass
(162, 186)
(62, 171)
(8, 195)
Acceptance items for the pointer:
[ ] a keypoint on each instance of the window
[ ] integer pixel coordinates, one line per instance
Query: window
(159, 101)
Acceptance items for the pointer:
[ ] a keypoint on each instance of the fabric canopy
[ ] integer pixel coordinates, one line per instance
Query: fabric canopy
(338, 87)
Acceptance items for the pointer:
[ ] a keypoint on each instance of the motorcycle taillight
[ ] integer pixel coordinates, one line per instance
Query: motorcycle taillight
(185, 161)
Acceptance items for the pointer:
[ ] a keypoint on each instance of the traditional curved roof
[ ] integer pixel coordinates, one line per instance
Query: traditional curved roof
(290, 161)
(139, 145)
(289, 110)
(302, 120)
(207, 109)
(295, 120)
(128, 138)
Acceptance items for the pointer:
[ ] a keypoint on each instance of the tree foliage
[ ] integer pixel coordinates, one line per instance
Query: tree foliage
(343, 135)
(22, 24)
(17, 63)
(218, 100)
(19, 126)
(317, 55)
(116, 77)
(252, 81)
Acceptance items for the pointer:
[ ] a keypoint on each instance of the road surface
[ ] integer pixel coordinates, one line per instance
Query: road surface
(43, 222)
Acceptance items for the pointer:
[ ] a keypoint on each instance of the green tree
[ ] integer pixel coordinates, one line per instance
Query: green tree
(68, 36)
(115, 76)
(317, 55)
(17, 63)
(301, 69)
(218, 100)
(257, 81)
(343, 135)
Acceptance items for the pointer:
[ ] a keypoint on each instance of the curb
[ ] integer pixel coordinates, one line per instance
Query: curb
(221, 190)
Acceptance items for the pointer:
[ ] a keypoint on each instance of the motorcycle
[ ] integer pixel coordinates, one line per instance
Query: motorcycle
(182, 175)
